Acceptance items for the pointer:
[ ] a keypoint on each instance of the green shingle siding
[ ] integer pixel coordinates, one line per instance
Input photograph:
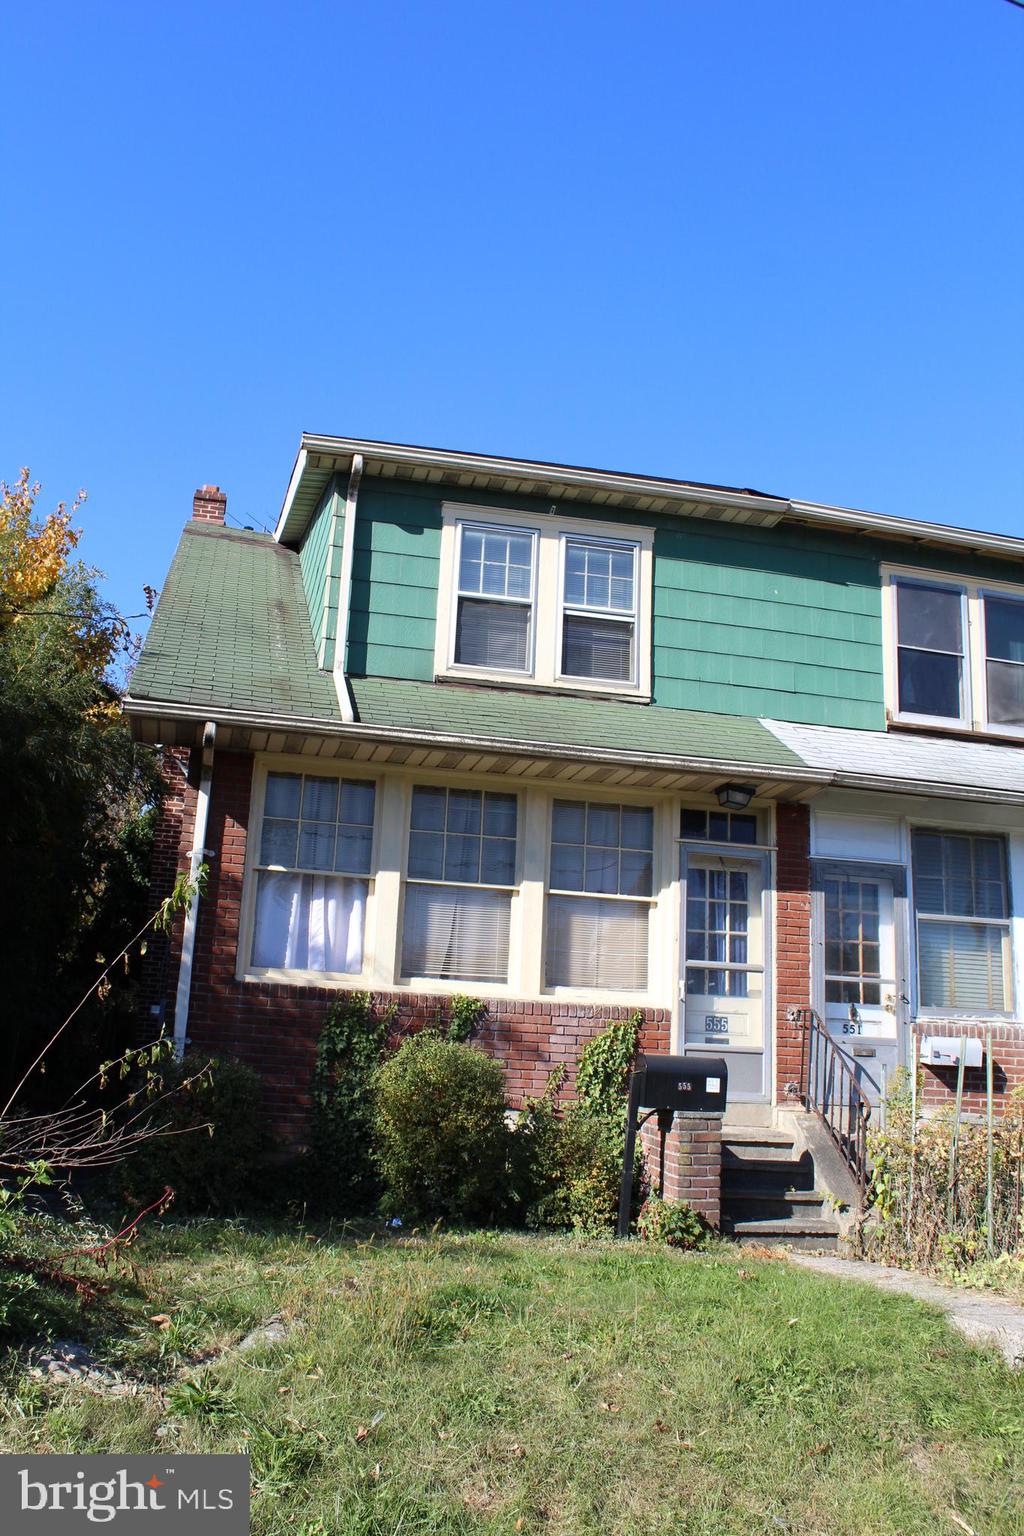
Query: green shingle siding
(313, 554)
(395, 568)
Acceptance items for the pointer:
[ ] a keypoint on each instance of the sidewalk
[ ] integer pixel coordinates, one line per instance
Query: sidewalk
(979, 1316)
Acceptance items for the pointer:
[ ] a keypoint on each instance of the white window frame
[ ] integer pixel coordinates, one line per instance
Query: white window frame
(973, 591)
(550, 531)
(627, 994)
(316, 768)
(492, 526)
(1006, 924)
(427, 982)
(610, 615)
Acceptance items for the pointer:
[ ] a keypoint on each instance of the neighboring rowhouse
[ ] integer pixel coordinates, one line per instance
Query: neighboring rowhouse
(580, 743)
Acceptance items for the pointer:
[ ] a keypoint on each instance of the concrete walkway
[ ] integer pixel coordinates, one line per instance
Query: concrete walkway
(981, 1317)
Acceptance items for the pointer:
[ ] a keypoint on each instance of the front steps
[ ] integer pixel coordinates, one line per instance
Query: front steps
(770, 1191)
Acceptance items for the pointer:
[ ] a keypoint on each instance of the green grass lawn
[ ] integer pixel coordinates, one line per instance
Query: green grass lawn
(491, 1383)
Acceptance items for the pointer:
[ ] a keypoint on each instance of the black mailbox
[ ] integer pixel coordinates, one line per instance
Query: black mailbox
(694, 1083)
(667, 1086)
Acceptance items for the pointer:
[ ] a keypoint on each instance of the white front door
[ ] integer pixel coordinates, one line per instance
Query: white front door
(723, 966)
(861, 986)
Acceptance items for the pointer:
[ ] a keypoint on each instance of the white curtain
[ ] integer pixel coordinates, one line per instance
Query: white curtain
(309, 923)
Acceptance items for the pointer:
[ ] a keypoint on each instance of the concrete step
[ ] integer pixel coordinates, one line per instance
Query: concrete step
(761, 1145)
(820, 1233)
(772, 1204)
(770, 1173)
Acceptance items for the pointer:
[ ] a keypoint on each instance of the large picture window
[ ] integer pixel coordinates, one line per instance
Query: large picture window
(963, 928)
(460, 876)
(312, 882)
(600, 891)
(494, 613)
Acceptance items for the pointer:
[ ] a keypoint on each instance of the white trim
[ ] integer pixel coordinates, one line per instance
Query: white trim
(348, 544)
(549, 532)
(183, 995)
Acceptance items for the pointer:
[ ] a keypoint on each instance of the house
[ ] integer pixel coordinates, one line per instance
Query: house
(581, 743)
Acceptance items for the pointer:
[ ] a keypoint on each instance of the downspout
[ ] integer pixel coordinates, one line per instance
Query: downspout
(188, 938)
(348, 544)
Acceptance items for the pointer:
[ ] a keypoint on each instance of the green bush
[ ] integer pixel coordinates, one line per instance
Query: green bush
(671, 1221)
(348, 1055)
(442, 1144)
(568, 1165)
(216, 1169)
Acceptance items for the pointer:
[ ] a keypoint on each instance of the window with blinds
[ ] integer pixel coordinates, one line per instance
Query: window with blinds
(460, 875)
(599, 610)
(600, 889)
(494, 604)
(962, 906)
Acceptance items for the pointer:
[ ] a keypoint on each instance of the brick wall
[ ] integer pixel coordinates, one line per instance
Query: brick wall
(938, 1084)
(274, 1028)
(792, 940)
(693, 1162)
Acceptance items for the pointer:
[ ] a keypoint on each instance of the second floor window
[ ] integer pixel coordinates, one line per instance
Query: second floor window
(544, 600)
(494, 613)
(460, 874)
(957, 653)
(963, 922)
(599, 610)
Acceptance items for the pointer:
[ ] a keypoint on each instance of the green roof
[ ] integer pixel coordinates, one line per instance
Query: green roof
(232, 630)
(615, 725)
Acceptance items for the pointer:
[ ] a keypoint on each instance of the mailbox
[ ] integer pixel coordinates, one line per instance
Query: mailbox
(681, 1083)
(944, 1051)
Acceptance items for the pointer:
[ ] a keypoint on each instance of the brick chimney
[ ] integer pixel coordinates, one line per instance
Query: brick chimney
(209, 504)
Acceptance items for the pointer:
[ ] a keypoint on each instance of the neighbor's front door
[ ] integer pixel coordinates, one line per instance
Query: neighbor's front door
(861, 986)
(723, 967)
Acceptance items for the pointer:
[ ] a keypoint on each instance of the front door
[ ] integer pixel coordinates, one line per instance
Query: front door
(723, 969)
(861, 984)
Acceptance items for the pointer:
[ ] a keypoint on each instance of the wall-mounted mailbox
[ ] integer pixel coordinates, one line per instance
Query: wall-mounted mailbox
(944, 1051)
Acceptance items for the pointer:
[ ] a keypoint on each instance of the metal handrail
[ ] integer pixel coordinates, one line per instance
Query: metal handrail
(830, 1090)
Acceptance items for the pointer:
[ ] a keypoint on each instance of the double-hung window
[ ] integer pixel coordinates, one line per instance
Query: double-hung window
(312, 873)
(541, 600)
(599, 610)
(932, 674)
(495, 599)
(460, 876)
(956, 653)
(963, 922)
(600, 887)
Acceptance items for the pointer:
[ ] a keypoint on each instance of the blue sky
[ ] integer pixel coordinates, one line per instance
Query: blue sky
(773, 245)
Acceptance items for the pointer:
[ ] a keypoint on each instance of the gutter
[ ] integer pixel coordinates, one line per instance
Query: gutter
(537, 473)
(795, 773)
(199, 850)
(348, 544)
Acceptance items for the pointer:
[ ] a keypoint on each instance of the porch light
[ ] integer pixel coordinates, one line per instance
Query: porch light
(734, 797)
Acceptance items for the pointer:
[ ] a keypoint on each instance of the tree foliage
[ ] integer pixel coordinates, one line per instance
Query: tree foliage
(77, 795)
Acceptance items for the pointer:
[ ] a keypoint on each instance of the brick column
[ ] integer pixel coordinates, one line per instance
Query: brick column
(792, 942)
(693, 1162)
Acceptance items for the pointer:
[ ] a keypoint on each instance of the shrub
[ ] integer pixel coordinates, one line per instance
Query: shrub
(671, 1221)
(442, 1144)
(215, 1143)
(933, 1215)
(569, 1165)
(348, 1055)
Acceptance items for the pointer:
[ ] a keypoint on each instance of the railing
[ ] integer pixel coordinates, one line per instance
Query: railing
(829, 1089)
